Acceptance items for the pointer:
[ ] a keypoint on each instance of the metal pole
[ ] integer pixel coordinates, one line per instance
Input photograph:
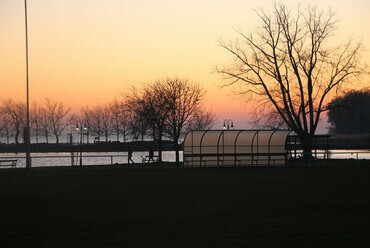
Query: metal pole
(28, 145)
(81, 147)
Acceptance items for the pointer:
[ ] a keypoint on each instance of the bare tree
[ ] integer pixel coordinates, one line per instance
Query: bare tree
(45, 124)
(184, 100)
(35, 119)
(115, 109)
(168, 108)
(151, 105)
(137, 125)
(107, 122)
(86, 117)
(202, 119)
(5, 126)
(15, 111)
(120, 118)
(291, 67)
(96, 125)
(58, 115)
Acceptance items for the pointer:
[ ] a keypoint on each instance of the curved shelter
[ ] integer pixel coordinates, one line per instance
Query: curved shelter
(235, 147)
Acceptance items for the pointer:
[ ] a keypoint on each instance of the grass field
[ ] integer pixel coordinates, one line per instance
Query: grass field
(293, 206)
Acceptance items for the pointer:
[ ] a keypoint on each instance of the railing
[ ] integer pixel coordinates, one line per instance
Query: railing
(74, 159)
(358, 155)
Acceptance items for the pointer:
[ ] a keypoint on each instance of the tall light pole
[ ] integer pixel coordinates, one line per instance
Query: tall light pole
(27, 134)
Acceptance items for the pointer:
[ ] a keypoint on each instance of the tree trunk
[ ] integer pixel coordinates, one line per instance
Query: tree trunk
(57, 139)
(16, 138)
(160, 145)
(306, 146)
(177, 148)
(160, 148)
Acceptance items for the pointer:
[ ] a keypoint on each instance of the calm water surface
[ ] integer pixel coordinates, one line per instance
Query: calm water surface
(99, 158)
(106, 158)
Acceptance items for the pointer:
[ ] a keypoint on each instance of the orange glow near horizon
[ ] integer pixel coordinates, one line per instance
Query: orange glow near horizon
(85, 52)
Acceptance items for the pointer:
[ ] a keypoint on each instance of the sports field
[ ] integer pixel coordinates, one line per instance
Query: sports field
(166, 206)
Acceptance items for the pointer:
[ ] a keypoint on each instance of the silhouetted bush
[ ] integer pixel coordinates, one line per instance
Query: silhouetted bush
(350, 113)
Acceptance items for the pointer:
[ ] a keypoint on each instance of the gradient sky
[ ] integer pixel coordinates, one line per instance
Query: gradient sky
(84, 52)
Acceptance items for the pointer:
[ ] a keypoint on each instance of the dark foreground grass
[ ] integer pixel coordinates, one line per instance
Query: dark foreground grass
(116, 206)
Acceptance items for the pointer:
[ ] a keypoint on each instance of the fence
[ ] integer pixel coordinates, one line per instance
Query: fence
(74, 159)
(334, 154)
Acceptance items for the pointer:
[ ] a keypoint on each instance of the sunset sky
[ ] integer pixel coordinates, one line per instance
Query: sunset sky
(85, 52)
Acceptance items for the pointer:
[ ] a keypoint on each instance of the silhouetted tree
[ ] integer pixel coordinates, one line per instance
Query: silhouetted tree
(168, 107)
(184, 101)
(151, 104)
(120, 118)
(96, 125)
(202, 119)
(58, 116)
(35, 120)
(137, 124)
(107, 122)
(15, 112)
(291, 67)
(85, 117)
(5, 126)
(350, 113)
(45, 124)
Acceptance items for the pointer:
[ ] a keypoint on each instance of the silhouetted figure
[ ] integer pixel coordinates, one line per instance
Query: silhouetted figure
(151, 155)
(129, 152)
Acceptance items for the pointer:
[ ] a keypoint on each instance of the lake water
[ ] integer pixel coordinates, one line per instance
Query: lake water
(102, 158)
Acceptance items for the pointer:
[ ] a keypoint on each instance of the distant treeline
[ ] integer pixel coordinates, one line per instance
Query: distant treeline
(162, 110)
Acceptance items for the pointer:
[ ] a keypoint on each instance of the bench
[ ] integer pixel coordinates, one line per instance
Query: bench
(146, 159)
(8, 162)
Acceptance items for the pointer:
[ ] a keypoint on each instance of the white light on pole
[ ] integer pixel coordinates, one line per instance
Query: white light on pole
(228, 123)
